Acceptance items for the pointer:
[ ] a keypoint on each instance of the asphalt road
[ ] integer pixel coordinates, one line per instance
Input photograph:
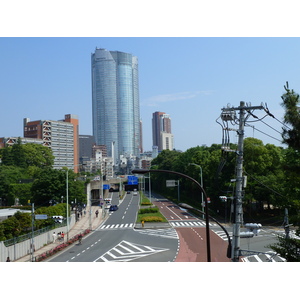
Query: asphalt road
(183, 241)
(117, 240)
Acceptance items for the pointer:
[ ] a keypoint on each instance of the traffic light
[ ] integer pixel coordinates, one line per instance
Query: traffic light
(253, 227)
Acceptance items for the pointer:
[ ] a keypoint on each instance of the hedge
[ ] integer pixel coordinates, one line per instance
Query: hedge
(152, 219)
(149, 210)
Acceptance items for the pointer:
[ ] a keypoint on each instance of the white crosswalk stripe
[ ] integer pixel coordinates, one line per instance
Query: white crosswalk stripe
(263, 257)
(170, 233)
(221, 234)
(189, 224)
(114, 226)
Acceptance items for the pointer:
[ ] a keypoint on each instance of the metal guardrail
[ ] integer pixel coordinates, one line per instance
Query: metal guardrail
(27, 236)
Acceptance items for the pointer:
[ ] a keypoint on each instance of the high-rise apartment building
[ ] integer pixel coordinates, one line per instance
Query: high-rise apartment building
(161, 131)
(60, 136)
(115, 100)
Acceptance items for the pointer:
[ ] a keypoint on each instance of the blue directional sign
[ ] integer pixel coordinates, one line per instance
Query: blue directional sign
(132, 180)
(106, 186)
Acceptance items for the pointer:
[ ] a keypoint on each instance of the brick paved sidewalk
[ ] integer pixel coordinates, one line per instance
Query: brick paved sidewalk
(80, 226)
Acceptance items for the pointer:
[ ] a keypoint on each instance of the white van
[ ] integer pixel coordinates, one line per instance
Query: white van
(107, 202)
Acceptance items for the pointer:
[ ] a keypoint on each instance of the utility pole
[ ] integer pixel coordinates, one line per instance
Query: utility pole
(238, 211)
(286, 224)
(228, 114)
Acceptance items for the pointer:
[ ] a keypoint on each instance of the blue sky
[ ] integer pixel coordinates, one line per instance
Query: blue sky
(191, 79)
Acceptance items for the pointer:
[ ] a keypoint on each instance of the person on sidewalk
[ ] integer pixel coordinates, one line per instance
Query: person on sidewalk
(97, 212)
(54, 237)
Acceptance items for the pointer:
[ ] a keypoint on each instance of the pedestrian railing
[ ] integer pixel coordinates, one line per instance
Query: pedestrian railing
(27, 236)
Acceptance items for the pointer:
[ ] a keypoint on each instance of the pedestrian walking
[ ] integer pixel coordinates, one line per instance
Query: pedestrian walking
(80, 238)
(84, 212)
(62, 236)
(8, 259)
(54, 237)
(97, 212)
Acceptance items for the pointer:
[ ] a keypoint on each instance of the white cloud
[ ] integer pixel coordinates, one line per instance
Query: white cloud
(156, 100)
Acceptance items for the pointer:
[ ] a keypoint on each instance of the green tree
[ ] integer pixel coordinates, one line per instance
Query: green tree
(9, 175)
(265, 177)
(49, 187)
(291, 132)
(26, 155)
(38, 155)
(18, 154)
(287, 248)
(6, 156)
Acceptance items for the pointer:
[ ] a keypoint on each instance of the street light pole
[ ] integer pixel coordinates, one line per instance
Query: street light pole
(67, 200)
(201, 178)
(141, 171)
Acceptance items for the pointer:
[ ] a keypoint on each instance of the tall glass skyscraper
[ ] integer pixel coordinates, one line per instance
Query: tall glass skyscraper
(115, 96)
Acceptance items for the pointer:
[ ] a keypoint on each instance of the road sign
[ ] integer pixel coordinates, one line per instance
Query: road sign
(171, 183)
(41, 217)
(132, 180)
(106, 186)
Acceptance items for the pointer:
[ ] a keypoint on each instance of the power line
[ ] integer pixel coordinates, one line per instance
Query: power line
(264, 133)
(271, 115)
(270, 126)
(264, 185)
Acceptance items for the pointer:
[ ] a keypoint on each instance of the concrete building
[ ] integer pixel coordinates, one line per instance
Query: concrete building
(61, 136)
(10, 141)
(86, 143)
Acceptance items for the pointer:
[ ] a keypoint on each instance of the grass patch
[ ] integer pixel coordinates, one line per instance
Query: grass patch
(151, 214)
(144, 200)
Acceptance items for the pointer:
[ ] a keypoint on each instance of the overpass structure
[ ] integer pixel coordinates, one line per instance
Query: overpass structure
(98, 189)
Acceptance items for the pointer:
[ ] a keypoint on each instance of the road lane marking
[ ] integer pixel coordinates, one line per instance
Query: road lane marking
(117, 254)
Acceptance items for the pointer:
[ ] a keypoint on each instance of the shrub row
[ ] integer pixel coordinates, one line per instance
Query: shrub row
(151, 219)
(148, 210)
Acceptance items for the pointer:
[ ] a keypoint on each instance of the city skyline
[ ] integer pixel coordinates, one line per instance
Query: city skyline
(189, 78)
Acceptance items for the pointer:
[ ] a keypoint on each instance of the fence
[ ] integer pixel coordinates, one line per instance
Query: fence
(16, 249)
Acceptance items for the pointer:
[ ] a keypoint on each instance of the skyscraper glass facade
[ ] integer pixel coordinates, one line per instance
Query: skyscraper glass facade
(115, 100)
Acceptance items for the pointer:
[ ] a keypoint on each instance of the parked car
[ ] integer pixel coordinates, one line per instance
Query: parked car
(113, 208)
